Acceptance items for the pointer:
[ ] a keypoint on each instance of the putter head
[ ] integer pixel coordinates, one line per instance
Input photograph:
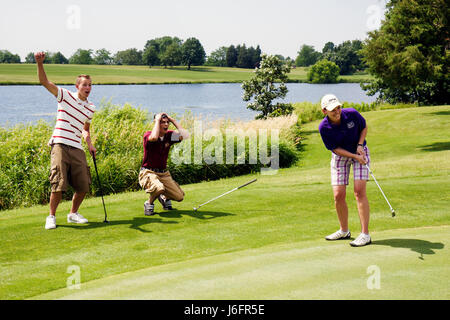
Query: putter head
(393, 213)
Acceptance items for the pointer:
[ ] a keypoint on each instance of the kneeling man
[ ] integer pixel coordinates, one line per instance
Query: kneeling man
(154, 178)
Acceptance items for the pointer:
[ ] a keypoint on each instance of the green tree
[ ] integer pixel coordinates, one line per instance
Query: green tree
(409, 55)
(155, 51)
(307, 56)
(8, 57)
(323, 71)
(218, 58)
(171, 56)
(346, 55)
(82, 56)
(59, 58)
(193, 52)
(30, 58)
(150, 56)
(244, 59)
(266, 85)
(130, 56)
(103, 56)
(231, 56)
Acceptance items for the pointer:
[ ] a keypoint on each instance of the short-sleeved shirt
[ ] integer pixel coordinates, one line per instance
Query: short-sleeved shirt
(72, 114)
(157, 152)
(344, 135)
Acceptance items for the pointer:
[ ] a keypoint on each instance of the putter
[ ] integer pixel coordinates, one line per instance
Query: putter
(100, 187)
(392, 210)
(245, 184)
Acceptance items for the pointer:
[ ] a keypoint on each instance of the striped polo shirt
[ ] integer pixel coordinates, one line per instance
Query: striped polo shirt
(72, 114)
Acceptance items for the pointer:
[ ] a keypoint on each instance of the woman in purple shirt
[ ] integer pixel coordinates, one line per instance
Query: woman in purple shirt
(343, 132)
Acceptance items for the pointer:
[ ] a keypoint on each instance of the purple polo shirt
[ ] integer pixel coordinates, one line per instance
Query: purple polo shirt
(346, 134)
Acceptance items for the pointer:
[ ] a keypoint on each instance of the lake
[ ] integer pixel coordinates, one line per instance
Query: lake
(23, 104)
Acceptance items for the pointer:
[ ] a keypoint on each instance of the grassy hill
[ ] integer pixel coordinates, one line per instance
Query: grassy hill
(264, 241)
(66, 74)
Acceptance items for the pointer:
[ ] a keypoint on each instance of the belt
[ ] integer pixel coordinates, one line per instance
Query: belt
(155, 169)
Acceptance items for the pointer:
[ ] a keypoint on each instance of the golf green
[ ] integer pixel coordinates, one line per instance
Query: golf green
(400, 264)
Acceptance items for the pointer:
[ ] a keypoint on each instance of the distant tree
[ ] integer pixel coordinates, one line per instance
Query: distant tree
(171, 56)
(130, 56)
(150, 56)
(266, 85)
(30, 58)
(82, 56)
(347, 56)
(323, 71)
(155, 51)
(193, 52)
(8, 57)
(218, 57)
(307, 56)
(59, 58)
(256, 57)
(103, 56)
(231, 56)
(244, 59)
(409, 55)
(328, 47)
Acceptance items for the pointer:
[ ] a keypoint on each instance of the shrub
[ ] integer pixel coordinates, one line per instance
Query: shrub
(323, 71)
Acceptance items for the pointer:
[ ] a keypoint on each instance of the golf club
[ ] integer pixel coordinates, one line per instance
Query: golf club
(100, 187)
(392, 210)
(245, 184)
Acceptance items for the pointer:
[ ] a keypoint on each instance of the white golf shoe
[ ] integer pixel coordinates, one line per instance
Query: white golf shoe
(362, 240)
(76, 218)
(339, 235)
(50, 222)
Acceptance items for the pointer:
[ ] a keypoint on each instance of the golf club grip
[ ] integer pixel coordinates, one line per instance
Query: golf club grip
(246, 184)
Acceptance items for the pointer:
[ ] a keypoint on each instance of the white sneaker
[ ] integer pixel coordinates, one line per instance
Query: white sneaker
(50, 222)
(339, 235)
(76, 218)
(361, 240)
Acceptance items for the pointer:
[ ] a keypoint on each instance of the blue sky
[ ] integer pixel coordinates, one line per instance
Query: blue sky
(279, 27)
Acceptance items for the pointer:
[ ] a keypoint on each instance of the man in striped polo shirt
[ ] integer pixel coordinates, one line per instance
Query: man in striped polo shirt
(68, 159)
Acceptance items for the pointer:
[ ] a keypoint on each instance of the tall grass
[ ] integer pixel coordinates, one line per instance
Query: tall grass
(117, 133)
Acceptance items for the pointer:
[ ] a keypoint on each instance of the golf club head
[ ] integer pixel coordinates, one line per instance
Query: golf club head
(195, 209)
(393, 213)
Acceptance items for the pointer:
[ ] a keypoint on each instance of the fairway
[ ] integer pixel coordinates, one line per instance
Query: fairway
(112, 74)
(265, 241)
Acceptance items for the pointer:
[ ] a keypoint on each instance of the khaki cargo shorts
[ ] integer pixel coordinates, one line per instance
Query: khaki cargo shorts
(152, 182)
(69, 167)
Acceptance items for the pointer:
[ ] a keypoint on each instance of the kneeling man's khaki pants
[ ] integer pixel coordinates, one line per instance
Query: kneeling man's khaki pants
(152, 182)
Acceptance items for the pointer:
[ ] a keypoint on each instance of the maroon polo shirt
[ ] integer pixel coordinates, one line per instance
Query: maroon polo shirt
(157, 152)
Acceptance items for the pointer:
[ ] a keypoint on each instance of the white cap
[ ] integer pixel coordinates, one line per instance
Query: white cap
(329, 102)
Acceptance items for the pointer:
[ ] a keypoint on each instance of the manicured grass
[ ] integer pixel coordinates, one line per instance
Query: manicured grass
(264, 241)
(65, 74)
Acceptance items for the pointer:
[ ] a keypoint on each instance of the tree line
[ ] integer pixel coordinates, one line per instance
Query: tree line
(347, 56)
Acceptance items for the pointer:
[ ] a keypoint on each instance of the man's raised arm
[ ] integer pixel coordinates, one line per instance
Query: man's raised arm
(51, 87)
